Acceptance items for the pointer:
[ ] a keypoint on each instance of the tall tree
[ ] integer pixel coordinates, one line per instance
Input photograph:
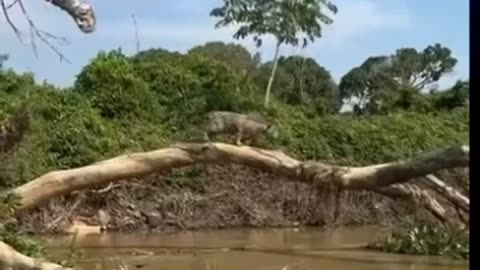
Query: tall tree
(403, 75)
(289, 21)
(419, 69)
(367, 83)
(235, 56)
(302, 81)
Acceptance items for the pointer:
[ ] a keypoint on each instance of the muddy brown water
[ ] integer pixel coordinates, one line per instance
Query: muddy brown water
(240, 249)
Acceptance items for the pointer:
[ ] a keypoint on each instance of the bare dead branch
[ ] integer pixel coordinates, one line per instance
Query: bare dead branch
(82, 13)
(55, 222)
(416, 195)
(12, 4)
(34, 31)
(9, 21)
(404, 170)
(449, 192)
(57, 183)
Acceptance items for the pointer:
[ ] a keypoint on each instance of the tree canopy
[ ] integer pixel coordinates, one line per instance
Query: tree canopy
(234, 55)
(419, 69)
(302, 81)
(284, 19)
(289, 21)
(457, 96)
(401, 76)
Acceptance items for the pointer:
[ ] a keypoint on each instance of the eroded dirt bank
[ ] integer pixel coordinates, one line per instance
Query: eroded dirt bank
(214, 197)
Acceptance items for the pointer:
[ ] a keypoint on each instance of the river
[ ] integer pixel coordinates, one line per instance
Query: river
(240, 249)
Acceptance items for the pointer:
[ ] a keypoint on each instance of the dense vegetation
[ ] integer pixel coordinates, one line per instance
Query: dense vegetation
(428, 240)
(146, 101)
(122, 103)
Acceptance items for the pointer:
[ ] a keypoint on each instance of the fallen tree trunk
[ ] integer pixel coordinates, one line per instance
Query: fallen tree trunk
(373, 177)
(383, 178)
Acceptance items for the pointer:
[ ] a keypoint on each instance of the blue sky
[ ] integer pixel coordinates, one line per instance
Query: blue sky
(362, 28)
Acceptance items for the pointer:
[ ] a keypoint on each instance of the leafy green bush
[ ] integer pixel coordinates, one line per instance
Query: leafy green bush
(425, 239)
(188, 86)
(303, 82)
(113, 88)
(9, 232)
(365, 140)
(11, 82)
(157, 97)
(76, 134)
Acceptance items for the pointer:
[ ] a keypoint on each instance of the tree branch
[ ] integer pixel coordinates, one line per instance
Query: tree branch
(449, 192)
(9, 20)
(422, 83)
(81, 12)
(57, 183)
(416, 195)
(45, 37)
(405, 170)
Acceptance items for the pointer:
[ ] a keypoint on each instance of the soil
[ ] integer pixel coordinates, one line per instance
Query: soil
(216, 197)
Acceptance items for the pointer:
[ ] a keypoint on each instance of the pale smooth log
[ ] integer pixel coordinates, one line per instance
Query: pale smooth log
(57, 183)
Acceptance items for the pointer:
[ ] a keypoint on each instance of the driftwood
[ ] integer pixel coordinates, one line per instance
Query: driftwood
(374, 177)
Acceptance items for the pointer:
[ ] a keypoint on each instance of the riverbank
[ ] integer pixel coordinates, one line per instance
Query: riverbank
(76, 127)
(216, 197)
